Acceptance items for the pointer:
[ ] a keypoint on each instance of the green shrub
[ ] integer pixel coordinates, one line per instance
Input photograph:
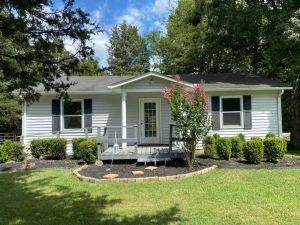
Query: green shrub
(88, 150)
(237, 147)
(209, 144)
(254, 151)
(223, 146)
(275, 148)
(270, 135)
(256, 138)
(242, 137)
(49, 148)
(11, 151)
(75, 144)
(216, 136)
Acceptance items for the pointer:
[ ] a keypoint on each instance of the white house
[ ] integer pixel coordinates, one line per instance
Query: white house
(132, 106)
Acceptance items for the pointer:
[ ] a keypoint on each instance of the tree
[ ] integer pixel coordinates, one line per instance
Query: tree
(127, 51)
(10, 114)
(190, 113)
(88, 67)
(32, 35)
(181, 49)
(259, 37)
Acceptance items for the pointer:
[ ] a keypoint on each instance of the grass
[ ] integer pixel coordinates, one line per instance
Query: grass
(293, 153)
(54, 196)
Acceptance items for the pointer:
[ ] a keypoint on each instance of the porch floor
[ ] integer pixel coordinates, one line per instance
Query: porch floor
(143, 154)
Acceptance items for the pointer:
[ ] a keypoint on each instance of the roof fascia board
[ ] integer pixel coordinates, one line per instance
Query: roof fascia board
(247, 89)
(145, 76)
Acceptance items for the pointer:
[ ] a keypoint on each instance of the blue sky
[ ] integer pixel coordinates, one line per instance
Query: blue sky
(147, 15)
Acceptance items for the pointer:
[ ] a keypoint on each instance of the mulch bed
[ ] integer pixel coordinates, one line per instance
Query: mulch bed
(125, 170)
(174, 168)
(287, 162)
(42, 163)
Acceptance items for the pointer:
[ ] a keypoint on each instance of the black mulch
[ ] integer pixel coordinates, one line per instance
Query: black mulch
(125, 170)
(42, 163)
(287, 162)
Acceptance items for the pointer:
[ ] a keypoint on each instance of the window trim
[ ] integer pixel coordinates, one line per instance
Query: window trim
(62, 116)
(241, 112)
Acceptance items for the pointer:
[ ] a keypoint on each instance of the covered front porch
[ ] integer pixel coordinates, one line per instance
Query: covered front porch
(144, 132)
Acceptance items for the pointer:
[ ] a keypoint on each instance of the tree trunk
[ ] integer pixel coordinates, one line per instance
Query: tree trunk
(190, 146)
(295, 114)
(295, 121)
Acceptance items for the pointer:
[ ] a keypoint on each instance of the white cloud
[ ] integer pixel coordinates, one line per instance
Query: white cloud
(97, 14)
(99, 43)
(70, 45)
(163, 7)
(132, 16)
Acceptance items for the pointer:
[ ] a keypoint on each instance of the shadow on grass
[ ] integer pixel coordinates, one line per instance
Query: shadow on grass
(294, 153)
(33, 202)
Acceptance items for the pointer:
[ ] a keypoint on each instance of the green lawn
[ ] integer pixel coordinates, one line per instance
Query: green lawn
(219, 197)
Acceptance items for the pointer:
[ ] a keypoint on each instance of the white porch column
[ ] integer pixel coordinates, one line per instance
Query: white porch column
(124, 122)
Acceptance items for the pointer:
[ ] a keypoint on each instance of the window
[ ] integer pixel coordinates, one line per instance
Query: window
(231, 111)
(72, 114)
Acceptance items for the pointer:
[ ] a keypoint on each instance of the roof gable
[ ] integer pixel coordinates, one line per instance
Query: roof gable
(147, 75)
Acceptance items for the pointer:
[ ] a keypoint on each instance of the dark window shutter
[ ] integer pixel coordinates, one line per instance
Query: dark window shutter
(247, 112)
(215, 108)
(88, 110)
(55, 115)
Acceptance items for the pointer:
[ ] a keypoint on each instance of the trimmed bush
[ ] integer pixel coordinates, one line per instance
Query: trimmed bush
(270, 135)
(11, 151)
(254, 151)
(275, 148)
(75, 144)
(88, 151)
(216, 136)
(237, 147)
(223, 146)
(256, 138)
(209, 144)
(242, 137)
(49, 148)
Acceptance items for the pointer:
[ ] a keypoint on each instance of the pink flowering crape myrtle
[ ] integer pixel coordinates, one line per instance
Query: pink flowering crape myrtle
(189, 110)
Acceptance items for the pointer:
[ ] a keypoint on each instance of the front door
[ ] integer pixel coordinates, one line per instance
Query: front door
(149, 120)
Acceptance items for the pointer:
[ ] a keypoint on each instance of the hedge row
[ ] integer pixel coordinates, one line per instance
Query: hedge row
(49, 148)
(11, 151)
(253, 151)
(55, 148)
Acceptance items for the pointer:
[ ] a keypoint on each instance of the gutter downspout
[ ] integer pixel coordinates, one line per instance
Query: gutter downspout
(279, 113)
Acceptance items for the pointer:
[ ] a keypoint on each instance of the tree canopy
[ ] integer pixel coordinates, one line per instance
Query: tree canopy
(10, 114)
(32, 35)
(260, 37)
(127, 51)
(88, 67)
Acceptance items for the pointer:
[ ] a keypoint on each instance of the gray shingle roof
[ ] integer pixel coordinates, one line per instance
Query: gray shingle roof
(90, 83)
(213, 81)
(231, 81)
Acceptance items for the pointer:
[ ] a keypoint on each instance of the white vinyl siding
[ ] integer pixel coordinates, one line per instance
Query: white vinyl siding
(107, 112)
(264, 115)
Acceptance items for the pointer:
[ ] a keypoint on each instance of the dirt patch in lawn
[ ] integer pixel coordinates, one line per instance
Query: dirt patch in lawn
(40, 164)
(287, 162)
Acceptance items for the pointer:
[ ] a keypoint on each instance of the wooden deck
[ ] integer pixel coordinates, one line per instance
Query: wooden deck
(143, 153)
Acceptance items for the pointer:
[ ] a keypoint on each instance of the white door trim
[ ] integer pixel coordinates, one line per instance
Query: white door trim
(157, 139)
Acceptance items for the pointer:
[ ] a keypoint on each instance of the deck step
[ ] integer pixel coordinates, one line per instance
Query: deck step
(150, 159)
